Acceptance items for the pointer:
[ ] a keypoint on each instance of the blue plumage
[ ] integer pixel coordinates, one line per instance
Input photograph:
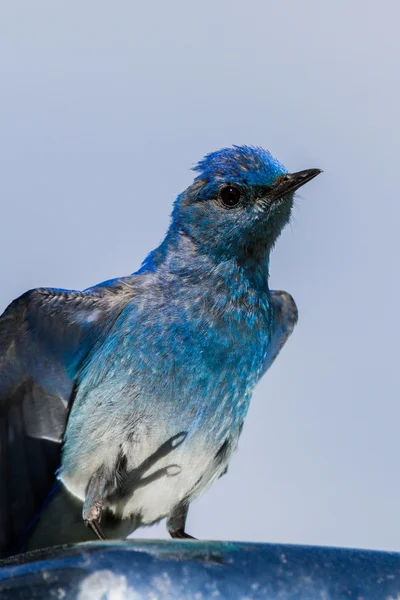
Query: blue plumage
(156, 370)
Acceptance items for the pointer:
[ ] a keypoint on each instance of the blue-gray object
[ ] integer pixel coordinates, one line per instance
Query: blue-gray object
(191, 570)
(155, 370)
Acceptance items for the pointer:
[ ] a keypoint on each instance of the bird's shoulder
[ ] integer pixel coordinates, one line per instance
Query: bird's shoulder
(285, 316)
(286, 312)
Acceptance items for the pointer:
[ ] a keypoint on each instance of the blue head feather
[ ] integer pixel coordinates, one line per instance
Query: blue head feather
(248, 164)
(245, 233)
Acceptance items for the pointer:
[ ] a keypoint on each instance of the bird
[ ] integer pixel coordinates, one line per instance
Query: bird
(122, 403)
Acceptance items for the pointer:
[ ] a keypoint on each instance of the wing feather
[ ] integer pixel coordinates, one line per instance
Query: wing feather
(45, 337)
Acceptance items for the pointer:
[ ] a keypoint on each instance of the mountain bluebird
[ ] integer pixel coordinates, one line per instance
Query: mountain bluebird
(121, 404)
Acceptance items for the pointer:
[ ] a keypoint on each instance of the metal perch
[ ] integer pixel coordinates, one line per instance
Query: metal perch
(199, 570)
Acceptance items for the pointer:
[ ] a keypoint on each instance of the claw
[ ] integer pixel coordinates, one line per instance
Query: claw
(95, 527)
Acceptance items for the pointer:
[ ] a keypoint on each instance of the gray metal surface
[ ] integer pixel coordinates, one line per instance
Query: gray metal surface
(158, 570)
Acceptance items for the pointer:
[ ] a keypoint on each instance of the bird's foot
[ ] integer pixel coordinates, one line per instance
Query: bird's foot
(97, 530)
(91, 517)
(177, 521)
(92, 508)
(180, 534)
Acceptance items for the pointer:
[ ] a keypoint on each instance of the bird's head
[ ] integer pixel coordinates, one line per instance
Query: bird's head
(239, 202)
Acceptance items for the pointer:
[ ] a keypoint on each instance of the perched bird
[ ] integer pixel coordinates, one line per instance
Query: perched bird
(121, 404)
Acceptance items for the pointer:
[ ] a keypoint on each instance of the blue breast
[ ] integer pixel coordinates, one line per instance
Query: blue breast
(193, 349)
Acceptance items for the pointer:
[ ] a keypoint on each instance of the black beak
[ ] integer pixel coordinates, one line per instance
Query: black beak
(287, 184)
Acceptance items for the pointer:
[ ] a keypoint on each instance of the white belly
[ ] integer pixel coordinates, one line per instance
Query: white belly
(167, 484)
(157, 476)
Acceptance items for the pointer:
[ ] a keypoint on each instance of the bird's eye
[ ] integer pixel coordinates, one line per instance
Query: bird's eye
(230, 196)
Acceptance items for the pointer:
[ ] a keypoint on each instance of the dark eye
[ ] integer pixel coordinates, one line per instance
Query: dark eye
(230, 196)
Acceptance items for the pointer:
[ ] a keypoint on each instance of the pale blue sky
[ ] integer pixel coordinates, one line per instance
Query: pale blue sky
(104, 107)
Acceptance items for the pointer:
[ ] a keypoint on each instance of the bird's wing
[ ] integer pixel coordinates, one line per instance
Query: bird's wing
(45, 336)
(285, 319)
